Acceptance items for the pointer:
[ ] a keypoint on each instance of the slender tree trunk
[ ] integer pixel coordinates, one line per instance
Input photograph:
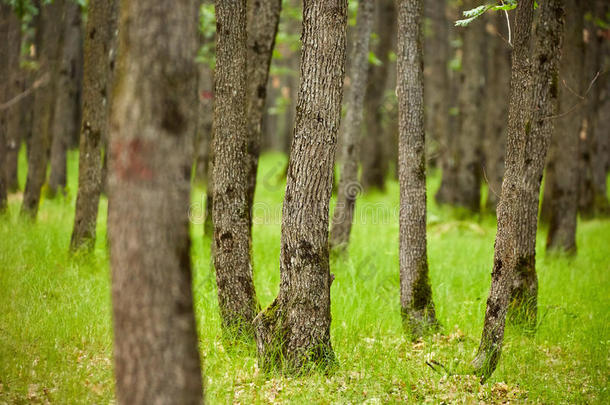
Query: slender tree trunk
(99, 39)
(348, 185)
(236, 295)
(294, 331)
(14, 86)
(374, 155)
(471, 124)
(263, 20)
(532, 105)
(153, 124)
(601, 148)
(417, 308)
(50, 40)
(497, 92)
(205, 118)
(6, 17)
(562, 170)
(67, 101)
(436, 75)
(593, 199)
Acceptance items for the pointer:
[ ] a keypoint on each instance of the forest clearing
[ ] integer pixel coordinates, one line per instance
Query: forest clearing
(316, 201)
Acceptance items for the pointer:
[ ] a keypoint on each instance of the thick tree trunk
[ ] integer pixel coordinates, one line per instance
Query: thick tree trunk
(50, 41)
(348, 185)
(99, 40)
(152, 128)
(294, 331)
(14, 86)
(263, 20)
(417, 308)
(532, 105)
(562, 170)
(471, 124)
(374, 154)
(436, 75)
(66, 122)
(593, 199)
(231, 214)
(497, 92)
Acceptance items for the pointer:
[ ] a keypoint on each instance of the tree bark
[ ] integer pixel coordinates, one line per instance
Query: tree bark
(532, 105)
(152, 127)
(205, 119)
(97, 74)
(49, 37)
(6, 28)
(471, 110)
(348, 185)
(14, 86)
(230, 211)
(263, 20)
(436, 75)
(497, 91)
(293, 333)
(68, 110)
(417, 308)
(562, 169)
(374, 154)
(593, 199)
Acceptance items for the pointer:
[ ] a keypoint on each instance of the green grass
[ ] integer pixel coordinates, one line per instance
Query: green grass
(56, 330)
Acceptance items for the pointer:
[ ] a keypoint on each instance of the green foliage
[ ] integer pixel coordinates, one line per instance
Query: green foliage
(56, 334)
(207, 29)
(476, 12)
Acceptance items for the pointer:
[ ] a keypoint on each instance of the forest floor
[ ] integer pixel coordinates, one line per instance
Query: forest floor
(56, 333)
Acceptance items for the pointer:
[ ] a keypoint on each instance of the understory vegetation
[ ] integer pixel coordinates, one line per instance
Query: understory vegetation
(56, 333)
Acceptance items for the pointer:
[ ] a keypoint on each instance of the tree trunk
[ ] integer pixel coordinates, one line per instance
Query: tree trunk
(231, 214)
(6, 18)
(374, 155)
(50, 41)
(562, 170)
(436, 75)
(14, 86)
(470, 133)
(152, 127)
(593, 199)
(532, 105)
(497, 93)
(417, 308)
(294, 331)
(348, 185)
(205, 118)
(99, 40)
(67, 102)
(263, 20)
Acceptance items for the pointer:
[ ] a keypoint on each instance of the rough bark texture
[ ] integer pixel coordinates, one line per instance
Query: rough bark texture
(374, 155)
(236, 295)
(294, 331)
(350, 146)
(533, 103)
(152, 128)
(99, 40)
(469, 140)
(497, 92)
(14, 86)
(49, 37)
(562, 175)
(593, 199)
(436, 75)
(263, 20)
(417, 308)
(66, 122)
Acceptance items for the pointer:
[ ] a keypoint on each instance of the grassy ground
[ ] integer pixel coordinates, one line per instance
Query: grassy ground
(56, 333)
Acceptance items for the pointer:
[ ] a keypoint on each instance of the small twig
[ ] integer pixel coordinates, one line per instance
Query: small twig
(489, 184)
(433, 363)
(510, 42)
(40, 82)
(582, 98)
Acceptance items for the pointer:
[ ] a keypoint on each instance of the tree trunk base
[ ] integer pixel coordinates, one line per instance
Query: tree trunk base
(486, 360)
(419, 322)
(280, 350)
